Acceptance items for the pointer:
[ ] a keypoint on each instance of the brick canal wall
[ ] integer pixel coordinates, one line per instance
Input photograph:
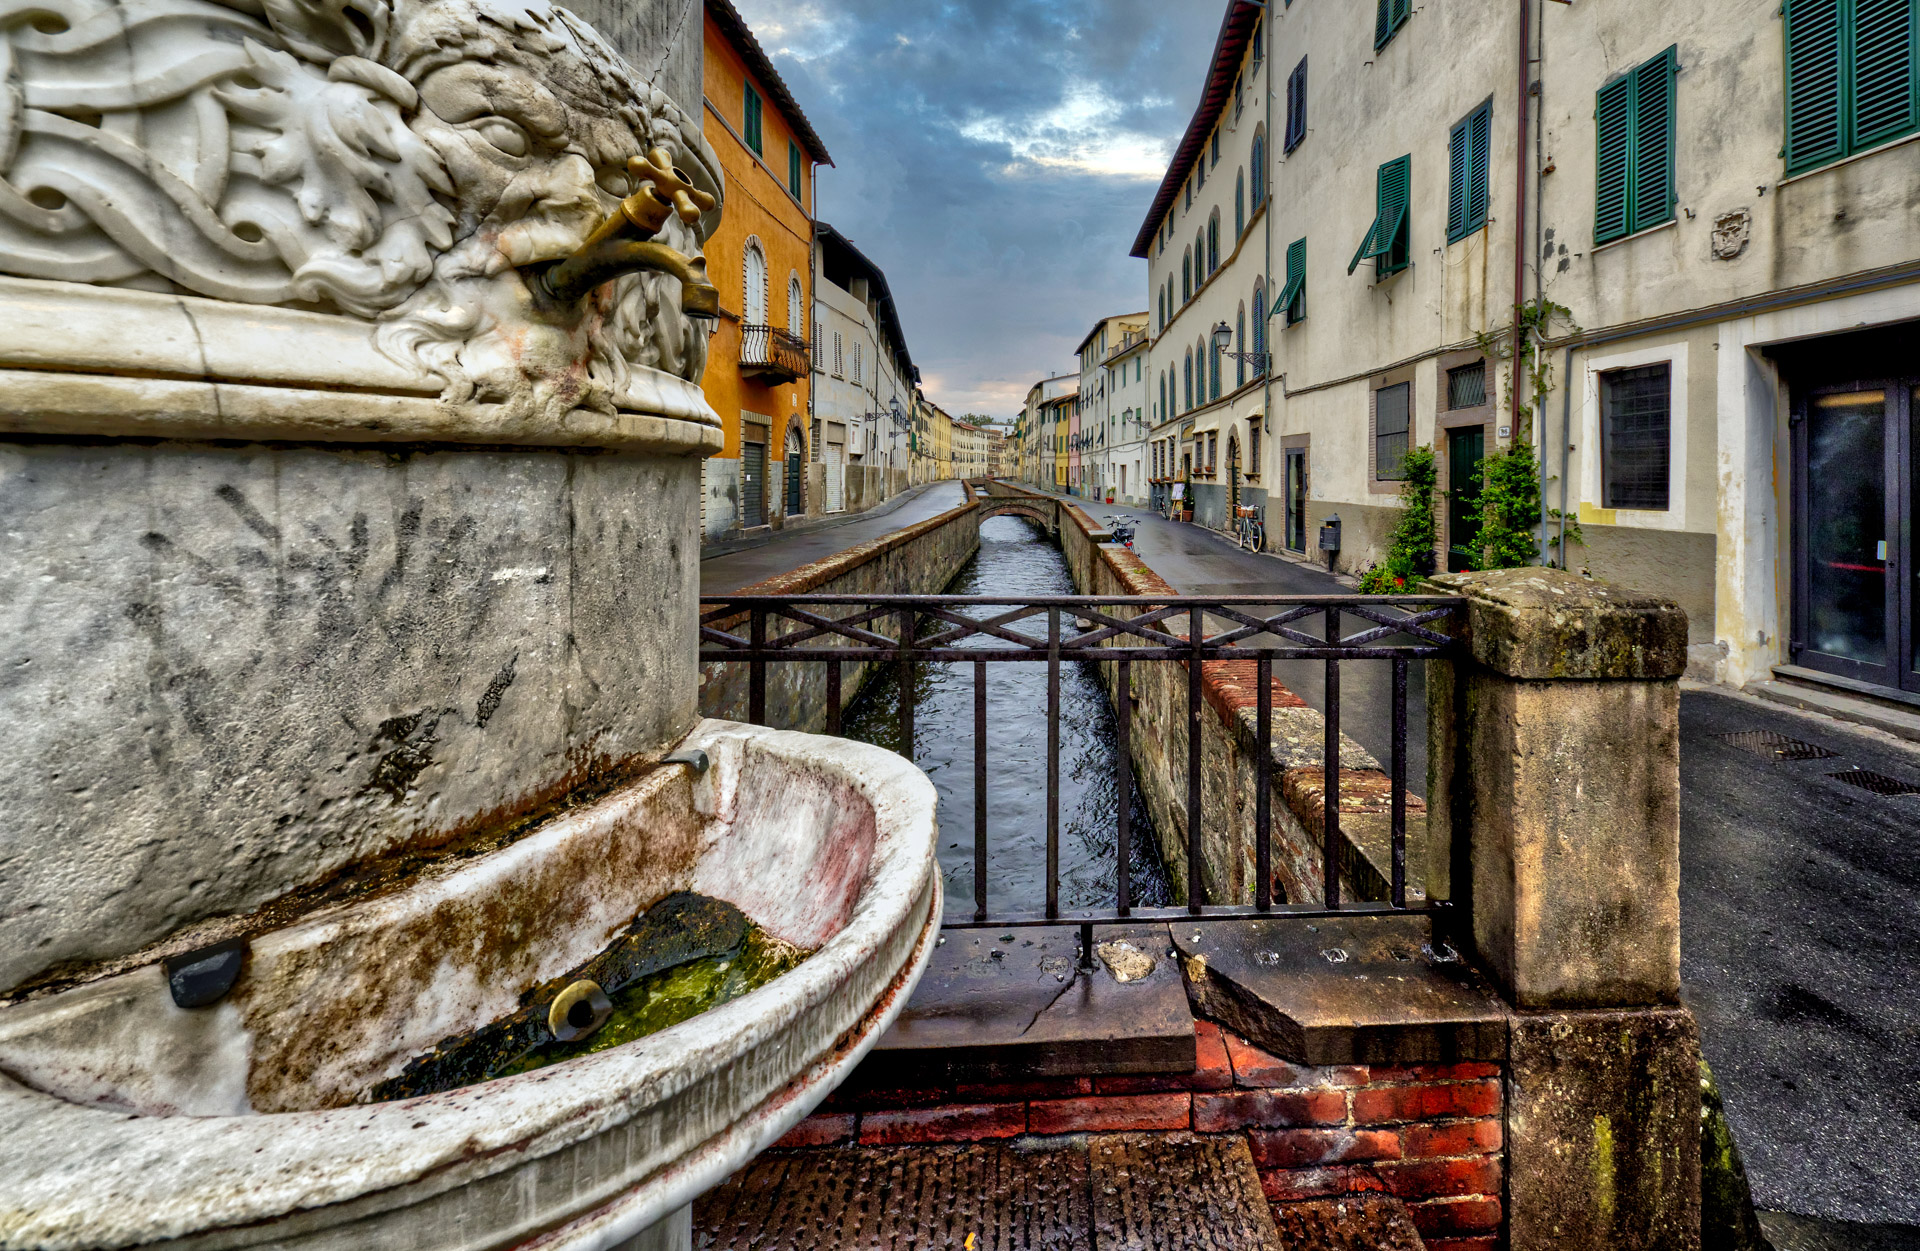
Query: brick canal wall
(1430, 1135)
(1229, 754)
(918, 560)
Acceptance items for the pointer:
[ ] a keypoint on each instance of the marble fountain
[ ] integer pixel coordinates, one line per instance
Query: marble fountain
(350, 439)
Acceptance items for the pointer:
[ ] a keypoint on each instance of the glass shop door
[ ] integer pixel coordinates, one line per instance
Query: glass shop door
(1856, 518)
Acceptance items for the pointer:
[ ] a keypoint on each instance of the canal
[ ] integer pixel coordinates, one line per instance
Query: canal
(1015, 560)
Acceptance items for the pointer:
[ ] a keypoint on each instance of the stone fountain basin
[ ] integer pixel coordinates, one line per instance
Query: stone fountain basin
(130, 1121)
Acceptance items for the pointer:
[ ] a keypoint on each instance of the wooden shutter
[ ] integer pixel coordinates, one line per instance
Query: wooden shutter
(1479, 159)
(1613, 122)
(1293, 299)
(1395, 186)
(1653, 135)
(1815, 129)
(1881, 72)
(1459, 165)
(1382, 23)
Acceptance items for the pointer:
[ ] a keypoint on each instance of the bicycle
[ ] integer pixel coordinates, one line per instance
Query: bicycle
(1250, 531)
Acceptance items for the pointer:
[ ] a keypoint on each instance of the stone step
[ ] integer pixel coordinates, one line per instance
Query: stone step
(1108, 1192)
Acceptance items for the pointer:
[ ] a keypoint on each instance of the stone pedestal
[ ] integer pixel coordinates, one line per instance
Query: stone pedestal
(1555, 784)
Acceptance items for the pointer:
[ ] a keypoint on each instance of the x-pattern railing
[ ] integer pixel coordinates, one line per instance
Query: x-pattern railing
(837, 630)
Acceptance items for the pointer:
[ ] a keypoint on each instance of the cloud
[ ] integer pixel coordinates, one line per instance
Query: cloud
(996, 158)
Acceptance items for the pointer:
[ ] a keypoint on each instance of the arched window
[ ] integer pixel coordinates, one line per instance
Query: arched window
(1188, 388)
(1186, 278)
(754, 306)
(1259, 166)
(796, 308)
(1240, 345)
(1213, 242)
(1240, 204)
(1200, 270)
(1213, 369)
(1162, 408)
(1259, 324)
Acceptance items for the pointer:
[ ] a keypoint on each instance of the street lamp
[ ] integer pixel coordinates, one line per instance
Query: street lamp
(1223, 339)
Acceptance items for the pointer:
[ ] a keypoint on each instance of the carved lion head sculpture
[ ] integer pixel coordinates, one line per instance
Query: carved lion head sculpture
(408, 162)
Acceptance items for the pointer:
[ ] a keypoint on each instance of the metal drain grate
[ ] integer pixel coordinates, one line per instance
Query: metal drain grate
(1878, 783)
(1774, 746)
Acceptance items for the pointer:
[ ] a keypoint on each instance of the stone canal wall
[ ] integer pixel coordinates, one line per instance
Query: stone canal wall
(1229, 747)
(1429, 1134)
(919, 560)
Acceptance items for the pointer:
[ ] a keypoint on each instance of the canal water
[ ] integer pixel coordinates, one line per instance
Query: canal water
(1015, 560)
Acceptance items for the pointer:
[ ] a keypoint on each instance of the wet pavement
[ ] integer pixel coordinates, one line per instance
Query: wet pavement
(720, 575)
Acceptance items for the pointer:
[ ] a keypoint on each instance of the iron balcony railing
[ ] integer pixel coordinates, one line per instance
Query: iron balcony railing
(835, 631)
(768, 350)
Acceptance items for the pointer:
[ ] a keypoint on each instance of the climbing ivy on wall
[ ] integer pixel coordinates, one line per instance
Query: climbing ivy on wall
(1410, 546)
(1510, 482)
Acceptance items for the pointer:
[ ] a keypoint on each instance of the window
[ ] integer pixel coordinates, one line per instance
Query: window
(1240, 204)
(796, 307)
(1240, 347)
(751, 127)
(1200, 270)
(1392, 409)
(1294, 297)
(1853, 77)
(1160, 413)
(1216, 147)
(754, 308)
(854, 373)
(1636, 435)
(1253, 450)
(1213, 242)
(1297, 105)
(1189, 380)
(1467, 386)
(1186, 278)
(793, 169)
(1386, 241)
(1260, 328)
(1468, 151)
(1213, 454)
(1389, 17)
(839, 355)
(1633, 118)
(1259, 167)
(1213, 366)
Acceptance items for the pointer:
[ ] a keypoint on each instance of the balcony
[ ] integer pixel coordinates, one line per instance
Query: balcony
(772, 355)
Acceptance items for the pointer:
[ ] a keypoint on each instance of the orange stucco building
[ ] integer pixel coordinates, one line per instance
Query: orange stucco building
(761, 260)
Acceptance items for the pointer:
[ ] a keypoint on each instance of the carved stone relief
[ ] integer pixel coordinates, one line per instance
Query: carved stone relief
(1731, 231)
(413, 165)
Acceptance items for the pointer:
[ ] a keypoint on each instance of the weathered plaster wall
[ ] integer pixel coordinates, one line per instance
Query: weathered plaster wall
(232, 671)
(661, 38)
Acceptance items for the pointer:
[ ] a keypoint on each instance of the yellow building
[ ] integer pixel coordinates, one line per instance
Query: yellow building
(761, 260)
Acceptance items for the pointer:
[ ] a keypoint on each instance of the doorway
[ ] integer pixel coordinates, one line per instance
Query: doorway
(753, 484)
(1466, 448)
(1296, 520)
(1233, 480)
(796, 466)
(1856, 505)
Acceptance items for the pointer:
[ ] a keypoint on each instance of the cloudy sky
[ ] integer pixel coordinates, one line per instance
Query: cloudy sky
(996, 158)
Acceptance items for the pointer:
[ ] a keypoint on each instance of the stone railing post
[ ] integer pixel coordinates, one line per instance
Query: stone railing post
(1556, 794)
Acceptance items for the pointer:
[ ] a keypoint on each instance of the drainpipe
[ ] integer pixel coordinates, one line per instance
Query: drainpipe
(1523, 113)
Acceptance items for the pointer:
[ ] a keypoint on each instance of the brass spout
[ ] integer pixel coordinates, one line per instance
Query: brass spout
(623, 243)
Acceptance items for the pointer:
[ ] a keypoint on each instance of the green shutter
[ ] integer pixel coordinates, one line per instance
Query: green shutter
(1653, 137)
(1386, 240)
(751, 114)
(1382, 23)
(1294, 297)
(1881, 75)
(1815, 118)
(1479, 162)
(1469, 149)
(1613, 118)
(1459, 145)
(794, 181)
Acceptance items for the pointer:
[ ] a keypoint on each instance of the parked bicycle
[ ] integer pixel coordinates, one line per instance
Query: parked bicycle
(1249, 529)
(1121, 527)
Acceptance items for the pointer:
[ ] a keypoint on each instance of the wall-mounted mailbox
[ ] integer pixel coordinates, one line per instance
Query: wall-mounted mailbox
(1330, 534)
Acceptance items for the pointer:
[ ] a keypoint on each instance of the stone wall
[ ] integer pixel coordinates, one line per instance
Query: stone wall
(1229, 745)
(1429, 1134)
(234, 671)
(919, 560)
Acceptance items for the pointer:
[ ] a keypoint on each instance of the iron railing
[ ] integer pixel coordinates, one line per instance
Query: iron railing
(840, 630)
(770, 350)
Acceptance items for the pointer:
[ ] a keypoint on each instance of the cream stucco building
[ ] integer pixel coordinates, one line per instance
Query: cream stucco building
(1732, 385)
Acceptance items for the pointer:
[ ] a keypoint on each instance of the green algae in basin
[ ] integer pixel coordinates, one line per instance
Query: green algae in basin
(679, 994)
(684, 955)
